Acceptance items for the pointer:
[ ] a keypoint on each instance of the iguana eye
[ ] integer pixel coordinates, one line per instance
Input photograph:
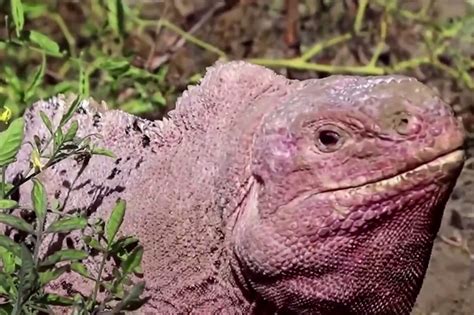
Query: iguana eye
(329, 138)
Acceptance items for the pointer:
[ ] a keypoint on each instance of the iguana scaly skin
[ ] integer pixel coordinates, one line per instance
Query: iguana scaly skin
(261, 194)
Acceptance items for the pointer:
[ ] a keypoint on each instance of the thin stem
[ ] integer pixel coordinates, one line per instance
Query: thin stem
(2, 191)
(381, 44)
(317, 48)
(99, 278)
(192, 39)
(298, 64)
(360, 15)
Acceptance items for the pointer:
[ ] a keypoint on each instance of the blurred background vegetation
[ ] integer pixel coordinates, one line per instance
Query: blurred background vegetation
(140, 55)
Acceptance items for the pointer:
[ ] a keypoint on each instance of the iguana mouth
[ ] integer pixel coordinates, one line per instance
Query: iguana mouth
(423, 175)
(440, 167)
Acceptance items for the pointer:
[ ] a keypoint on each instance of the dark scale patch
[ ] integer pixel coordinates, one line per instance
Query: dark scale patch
(62, 172)
(145, 141)
(115, 171)
(57, 194)
(82, 185)
(69, 243)
(119, 188)
(117, 161)
(66, 184)
(140, 161)
(96, 120)
(135, 126)
(81, 110)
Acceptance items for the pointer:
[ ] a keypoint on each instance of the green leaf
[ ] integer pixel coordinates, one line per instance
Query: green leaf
(28, 277)
(18, 15)
(64, 255)
(83, 82)
(55, 299)
(115, 67)
(6, 309)
(67, 225)
(133, 260)
(35, 10)
(102, 151)
(122, 243)
(115, 221)
(10, 245)
(71, 110)
(132, 300)
(8, 204)
(10, 141)
(39, 199)
(115, 16)
(8, 260)
(71, 132)
(37, 79)
(48, 45)
(92, 242)
(58, 138)
(16, 222)
(46, 121)
(80, 269)
(51, 274)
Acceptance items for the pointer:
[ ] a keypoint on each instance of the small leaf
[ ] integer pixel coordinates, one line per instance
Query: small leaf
(6, 114)
(67, 225)
(37, 79)
(133, 260)
(16, 222)
(83, 81)
(8, 260)
(115, 221)
(71, 110)
(64, 255)
(48, 45)
(115, 67)
(46, 121)
(35, 10)
(92, 242)
(10, 245)
(102, 151)
(122, 243)
(132, 300)
(10, 141)
(80, 269)
(39, 199)
(36, 159)
(58, 138)
(8, 204)
(115, 16)
(28, 276)
(55, 299)
(71, 132)
(51, 274)
(18, 15)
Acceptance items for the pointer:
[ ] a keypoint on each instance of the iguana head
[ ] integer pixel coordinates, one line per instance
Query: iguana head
(350, 178)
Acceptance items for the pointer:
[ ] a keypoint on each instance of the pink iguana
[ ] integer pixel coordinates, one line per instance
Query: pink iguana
(265, 195)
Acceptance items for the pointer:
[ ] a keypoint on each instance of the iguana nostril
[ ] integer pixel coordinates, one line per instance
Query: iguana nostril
(405, 124)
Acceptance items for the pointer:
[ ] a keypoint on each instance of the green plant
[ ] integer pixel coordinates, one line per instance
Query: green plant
(26, 269)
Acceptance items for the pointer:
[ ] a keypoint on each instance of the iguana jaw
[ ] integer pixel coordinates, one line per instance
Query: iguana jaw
(437, 169)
